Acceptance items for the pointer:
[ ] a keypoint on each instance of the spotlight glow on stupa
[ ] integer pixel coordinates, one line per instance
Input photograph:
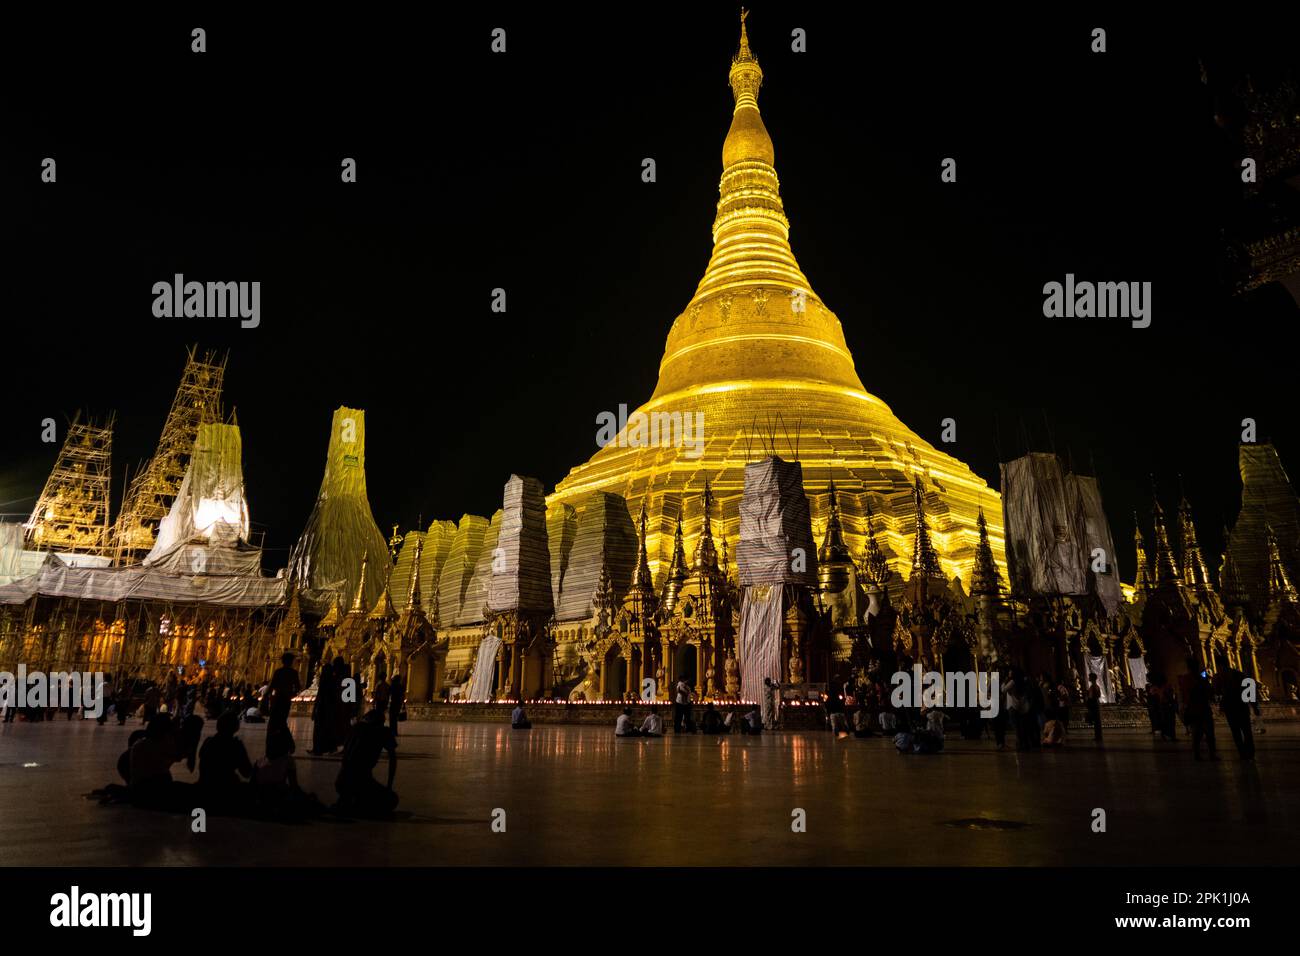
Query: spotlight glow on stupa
(757, 342)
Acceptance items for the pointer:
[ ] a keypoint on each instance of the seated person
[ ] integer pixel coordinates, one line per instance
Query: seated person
(518, 719)
(359, 792)
(623, 726)
(862, 723)
(222, 761)
(711, 722)
(653, 725)
(752, 722)
(150, 764)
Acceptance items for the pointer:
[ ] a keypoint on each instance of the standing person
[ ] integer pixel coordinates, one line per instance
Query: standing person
(1236, 711)
(324, 713)
(169, 692)
(349, 698)
(397, 701)
(284, 687)
(379, 697)
(151, 699)
(1153, 707)
(771, 703)
(835, 714)
(106, 694)
(682, 706)
(1094, 707)
(998, 722)
(1198, 712)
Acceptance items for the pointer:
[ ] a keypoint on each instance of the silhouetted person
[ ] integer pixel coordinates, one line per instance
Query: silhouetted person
(150, 764)
(222, 761)
(325, 713)
(396, 701)
(1198, 712)
(1236, 711)
(1094, 706)
(284, 687)
(359, 792)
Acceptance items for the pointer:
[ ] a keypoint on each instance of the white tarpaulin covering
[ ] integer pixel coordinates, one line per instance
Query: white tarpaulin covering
(1093, 531)
(1097, 665)
(521, 566)
(1043, 554)
(776, 542)
(11, 552)
(141, 583)
(1137, 669)
(211, 494)
(480, 682)
(759, 644)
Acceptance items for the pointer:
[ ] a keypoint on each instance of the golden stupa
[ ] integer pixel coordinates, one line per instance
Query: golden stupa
(764, 359)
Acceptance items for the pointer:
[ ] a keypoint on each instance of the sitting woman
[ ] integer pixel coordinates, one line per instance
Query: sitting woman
(519, 719)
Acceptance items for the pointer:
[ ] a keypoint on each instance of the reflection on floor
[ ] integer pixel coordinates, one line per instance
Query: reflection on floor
(576, 795)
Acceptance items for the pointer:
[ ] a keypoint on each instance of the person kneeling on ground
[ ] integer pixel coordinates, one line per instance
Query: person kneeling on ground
(752, 722)
(518, 719)
(359, 792)
(653, 725)
(623, 726)
(862, 721)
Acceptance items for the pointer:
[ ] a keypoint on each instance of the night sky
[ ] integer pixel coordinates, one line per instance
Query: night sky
(522, 171)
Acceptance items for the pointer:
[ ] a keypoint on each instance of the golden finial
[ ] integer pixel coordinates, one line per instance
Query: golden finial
(743, 55)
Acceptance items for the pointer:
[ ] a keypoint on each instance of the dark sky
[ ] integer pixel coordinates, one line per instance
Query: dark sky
(523, 171)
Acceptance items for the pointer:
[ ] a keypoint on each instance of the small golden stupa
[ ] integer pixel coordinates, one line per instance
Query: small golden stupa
(759, 354)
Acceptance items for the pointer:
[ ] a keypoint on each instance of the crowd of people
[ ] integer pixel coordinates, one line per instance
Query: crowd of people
(229, 781)
(1034, 712)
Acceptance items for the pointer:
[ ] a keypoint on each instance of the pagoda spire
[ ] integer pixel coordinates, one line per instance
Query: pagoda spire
(1195, 574)
(641, 576)
(706, 553)
(1145, 582)
(1280, 587)
(833, 547)
(1166, 567)
(358, 600)
(925, 562)
(413, 596)
(678, 571)
(875, 566)
(1229, 578)
(985, 578)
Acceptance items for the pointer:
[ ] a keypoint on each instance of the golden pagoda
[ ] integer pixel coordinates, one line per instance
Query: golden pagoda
(759, 355)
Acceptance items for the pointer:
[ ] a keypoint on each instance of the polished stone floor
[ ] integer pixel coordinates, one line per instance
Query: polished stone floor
(575, 795)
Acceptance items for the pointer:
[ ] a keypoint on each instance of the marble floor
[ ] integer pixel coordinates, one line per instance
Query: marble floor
(577, 795)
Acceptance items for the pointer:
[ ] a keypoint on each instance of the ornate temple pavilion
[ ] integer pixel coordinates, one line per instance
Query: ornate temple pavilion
(756, 342)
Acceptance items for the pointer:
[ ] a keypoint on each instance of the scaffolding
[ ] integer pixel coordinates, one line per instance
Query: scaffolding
(153, 488)
(72, 511)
